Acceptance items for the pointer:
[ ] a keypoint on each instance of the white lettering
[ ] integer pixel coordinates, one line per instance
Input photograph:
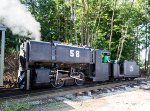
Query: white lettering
(77, 54)
(74, 53)
(71, 53)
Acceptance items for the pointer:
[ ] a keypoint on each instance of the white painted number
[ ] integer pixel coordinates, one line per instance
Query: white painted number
(71, 53)
(77, 54)
(74, 53)
(131, 68)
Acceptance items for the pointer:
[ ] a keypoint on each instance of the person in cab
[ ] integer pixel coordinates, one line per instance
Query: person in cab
(106, 58)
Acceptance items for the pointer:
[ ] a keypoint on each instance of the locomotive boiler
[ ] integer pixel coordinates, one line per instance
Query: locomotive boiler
(55, 63)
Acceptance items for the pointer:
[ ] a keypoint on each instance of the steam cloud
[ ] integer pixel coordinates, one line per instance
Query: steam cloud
(15, 16)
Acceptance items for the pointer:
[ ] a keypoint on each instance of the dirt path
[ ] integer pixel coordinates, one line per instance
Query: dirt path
(137, 100)
(129, 101)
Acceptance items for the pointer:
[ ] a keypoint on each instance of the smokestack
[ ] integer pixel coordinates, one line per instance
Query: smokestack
(15, 16)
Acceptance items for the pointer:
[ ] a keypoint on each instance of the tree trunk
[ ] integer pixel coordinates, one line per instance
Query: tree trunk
(148, 68)
(118, 49)
(98, 17)
(75, 32)
(146, 48)
(122, 42)
(86, 25)
(82, 24)
(125, 34)
(112, 23)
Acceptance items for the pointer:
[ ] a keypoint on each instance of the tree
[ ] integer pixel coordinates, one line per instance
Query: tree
(111, 24)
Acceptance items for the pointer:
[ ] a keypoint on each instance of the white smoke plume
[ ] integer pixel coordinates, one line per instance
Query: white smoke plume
(15, 16)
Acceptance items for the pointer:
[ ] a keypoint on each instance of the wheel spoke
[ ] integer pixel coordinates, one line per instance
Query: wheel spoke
(81, 80)
(58, 84)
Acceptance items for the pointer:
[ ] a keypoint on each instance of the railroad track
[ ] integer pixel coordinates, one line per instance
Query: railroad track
(52, 92)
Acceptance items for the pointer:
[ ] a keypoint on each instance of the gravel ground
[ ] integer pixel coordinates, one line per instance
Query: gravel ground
(123, 98)
(131, 97)
(137, 100)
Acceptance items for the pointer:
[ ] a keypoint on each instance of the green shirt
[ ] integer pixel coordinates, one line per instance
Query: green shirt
(105, 60)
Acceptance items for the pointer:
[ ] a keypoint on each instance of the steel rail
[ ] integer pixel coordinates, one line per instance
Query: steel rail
(52, 92)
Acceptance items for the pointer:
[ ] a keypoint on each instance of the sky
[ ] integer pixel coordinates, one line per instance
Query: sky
(142, 54)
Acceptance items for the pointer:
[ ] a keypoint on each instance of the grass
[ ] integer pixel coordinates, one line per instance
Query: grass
(20, 105)
(25, 105)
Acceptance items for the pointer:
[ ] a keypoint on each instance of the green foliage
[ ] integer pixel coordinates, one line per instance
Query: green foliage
(11, 42)
(92, 23)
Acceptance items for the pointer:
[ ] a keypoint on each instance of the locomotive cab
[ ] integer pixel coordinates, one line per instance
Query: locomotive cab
(102, 68)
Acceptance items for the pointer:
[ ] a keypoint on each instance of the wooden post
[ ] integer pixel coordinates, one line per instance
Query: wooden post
(3, 29)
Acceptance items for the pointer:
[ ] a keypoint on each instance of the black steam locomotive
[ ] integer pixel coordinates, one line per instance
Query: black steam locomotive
(55, 64)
